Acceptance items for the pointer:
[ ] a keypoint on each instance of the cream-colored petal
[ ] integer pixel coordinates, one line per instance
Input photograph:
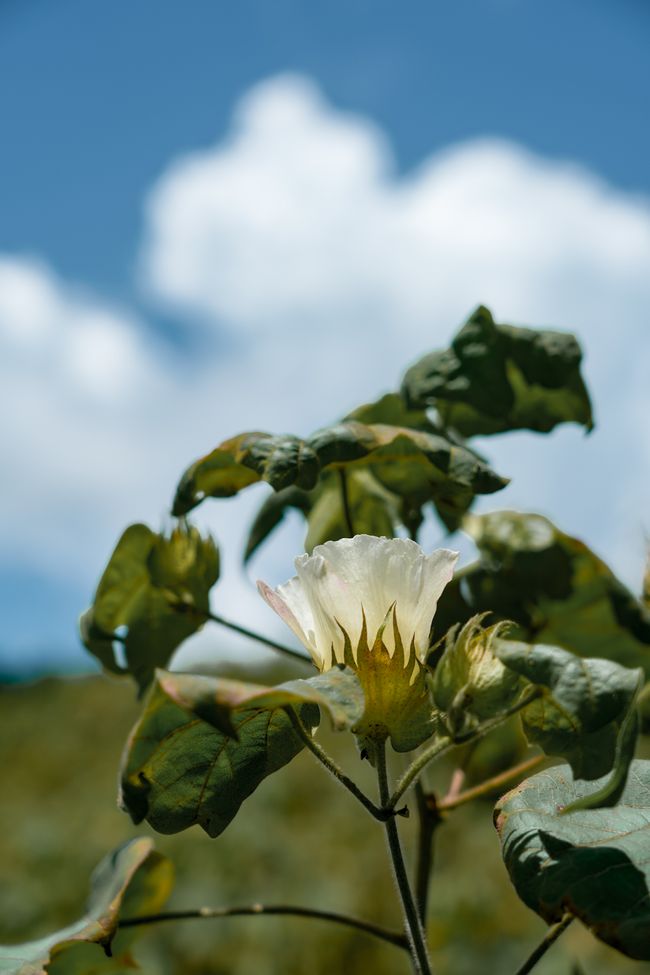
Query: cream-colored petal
(438, 571)
(358, 568)
(289, 602)
(330, 600)
(343, 581)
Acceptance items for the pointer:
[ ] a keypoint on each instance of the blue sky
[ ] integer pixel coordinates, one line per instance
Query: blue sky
(137, 143)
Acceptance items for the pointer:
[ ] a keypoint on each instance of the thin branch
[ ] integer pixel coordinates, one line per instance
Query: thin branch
(428, 821)
(444, 744)
(532, 694)
(489, 785)
(456, 784)
(345, 498)
(549, 939)
(182, 607)
(392, 937)
(413, 771)
(414, 927)
(381, 814)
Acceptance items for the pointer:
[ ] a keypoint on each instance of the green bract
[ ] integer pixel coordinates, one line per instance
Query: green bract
(470, 682)
(158, 588)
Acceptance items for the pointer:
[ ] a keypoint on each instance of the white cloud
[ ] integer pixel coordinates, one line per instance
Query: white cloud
(299, 218)
(76, 376)
(298, 232)
(330, 271)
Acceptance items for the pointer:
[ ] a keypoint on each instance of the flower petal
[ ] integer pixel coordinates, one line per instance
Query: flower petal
(342, 582)
(291, 605)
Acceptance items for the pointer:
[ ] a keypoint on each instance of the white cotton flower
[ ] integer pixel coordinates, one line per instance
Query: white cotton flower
(368, 602)
(364, 577)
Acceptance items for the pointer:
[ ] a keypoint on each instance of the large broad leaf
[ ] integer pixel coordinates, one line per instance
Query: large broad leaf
(585, 712)
(203, 745)
(552, 586)
(146, 575)
(281, 460)
(592, 864)
(391, 472)
(132, 881)
(495, 378)
(418, 466)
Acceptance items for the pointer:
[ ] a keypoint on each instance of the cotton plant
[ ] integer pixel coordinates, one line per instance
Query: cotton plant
(395, 647)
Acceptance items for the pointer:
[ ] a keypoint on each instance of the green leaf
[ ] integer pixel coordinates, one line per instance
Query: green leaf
(470, 683)
(132, 881)
(272, 512)
(584, 714)
(146, 575)
(391, 409)
(413, 464)
(421, 467)
(338, 691)
(373, 509)
(282, 461)
(203, 745)
(495, 378)
(593, 864)
(551, 585)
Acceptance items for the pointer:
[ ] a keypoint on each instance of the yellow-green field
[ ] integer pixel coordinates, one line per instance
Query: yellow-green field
(298, 839)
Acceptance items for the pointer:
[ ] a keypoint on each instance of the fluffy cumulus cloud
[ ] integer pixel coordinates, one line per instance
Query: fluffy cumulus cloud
(76, 378)
(312, 272)
(298, 233)
(99, 421)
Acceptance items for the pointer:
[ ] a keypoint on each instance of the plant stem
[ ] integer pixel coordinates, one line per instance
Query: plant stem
(345, 498)
(531, 694)
(549, 939)
(444, 744)
(182, 607)
(414, 929)
(392, 937)
(414, 769)
(428, 821)
(334, 769)
(490, 785)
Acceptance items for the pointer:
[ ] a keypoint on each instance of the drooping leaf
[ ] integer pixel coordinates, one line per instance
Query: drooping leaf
(551, 585)
(495, 378)
(282, 461)
(391, 473)
(391, 409)
(593, 864)
(146, 575)
(420, 467)
(338, 691)
(203, 744)
(470, 683)
(585, 713)
(132, 881)
(272, 512)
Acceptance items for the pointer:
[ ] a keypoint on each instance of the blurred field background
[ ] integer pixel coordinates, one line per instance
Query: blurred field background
(299, 839)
